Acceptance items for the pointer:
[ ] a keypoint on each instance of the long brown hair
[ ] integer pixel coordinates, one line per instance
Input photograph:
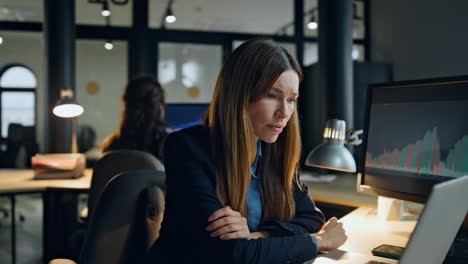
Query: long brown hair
(142, 126)
(246, 76)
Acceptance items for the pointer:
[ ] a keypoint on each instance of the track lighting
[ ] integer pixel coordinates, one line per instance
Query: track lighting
(312, 23)
(108, 45)
(170, 18)
(105, 9)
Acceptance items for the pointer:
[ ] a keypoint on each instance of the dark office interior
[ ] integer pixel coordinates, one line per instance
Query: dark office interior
(48, 46)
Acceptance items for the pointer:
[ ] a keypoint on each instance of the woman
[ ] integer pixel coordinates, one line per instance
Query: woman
(232, 190)
(142, 126)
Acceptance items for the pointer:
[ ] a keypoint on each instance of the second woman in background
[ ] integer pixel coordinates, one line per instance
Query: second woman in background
(142, 125)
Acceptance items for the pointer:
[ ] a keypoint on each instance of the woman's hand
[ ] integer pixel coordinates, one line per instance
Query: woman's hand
(331, 236)
(228, 224)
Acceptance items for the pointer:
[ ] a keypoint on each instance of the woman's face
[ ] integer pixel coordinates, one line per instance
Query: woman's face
(271, 113)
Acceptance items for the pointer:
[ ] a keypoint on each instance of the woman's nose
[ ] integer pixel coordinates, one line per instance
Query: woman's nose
(282, 111)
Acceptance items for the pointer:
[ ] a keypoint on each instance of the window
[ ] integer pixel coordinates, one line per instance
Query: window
(188, 72)
(17, 97)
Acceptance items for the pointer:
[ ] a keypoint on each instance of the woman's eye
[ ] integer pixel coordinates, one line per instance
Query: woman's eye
(292, 100)
(270, 95)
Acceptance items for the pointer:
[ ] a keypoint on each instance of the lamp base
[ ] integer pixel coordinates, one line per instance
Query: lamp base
(390, 209)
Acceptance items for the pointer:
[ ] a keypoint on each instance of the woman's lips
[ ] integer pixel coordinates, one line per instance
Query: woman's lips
(276, 129)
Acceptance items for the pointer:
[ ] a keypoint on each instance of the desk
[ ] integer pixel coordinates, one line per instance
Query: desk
(366, 231)
(22, 181)
(56, 194)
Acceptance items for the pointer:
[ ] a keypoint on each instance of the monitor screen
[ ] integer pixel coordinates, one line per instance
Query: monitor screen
(184, 115)
(416, 135)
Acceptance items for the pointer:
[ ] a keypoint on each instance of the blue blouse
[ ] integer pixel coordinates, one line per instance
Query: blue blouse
(254, 198)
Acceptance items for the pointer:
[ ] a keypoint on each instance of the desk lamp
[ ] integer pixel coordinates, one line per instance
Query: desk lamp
(62, 165)
(332, 154)
(67, 107)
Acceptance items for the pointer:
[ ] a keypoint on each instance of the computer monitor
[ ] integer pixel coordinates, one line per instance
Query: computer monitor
(416, 135)
(184, 115)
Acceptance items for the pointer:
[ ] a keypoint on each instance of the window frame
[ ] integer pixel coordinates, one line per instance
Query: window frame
(5, 68)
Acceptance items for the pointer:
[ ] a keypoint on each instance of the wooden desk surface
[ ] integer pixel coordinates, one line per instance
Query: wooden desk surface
(366, 231)
(341, 191)
(21, 181)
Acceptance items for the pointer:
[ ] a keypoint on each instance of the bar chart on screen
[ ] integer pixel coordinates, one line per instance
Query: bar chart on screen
(424, 156)
(419, 138)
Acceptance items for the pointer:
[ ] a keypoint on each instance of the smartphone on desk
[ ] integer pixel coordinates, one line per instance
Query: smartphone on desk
(388, 251)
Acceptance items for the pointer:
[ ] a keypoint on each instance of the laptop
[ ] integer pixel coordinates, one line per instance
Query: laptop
(433, 235)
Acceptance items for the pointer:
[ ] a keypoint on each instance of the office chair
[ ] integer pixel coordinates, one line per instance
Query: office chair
(113, 163)
(86, 137)
(126, 220)
(20, 146)
(109, 165)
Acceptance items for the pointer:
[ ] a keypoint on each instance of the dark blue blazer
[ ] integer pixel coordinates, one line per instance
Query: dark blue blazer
(191, 198)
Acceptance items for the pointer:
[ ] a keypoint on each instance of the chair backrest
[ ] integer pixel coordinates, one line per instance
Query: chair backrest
(86, 137)
(114, 162)
(126, 220)
(21, 145)
(15, 132)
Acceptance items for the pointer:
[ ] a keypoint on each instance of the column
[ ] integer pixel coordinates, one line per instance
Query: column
(59, 29)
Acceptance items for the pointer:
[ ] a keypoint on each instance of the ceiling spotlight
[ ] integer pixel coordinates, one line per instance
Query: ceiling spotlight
(312, 24)
(170, 18)
(105, 13)
(108, 45)
(105, 9)
(1, 40)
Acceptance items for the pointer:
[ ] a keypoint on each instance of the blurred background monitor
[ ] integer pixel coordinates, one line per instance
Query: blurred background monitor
(416, 135)
(184, 115)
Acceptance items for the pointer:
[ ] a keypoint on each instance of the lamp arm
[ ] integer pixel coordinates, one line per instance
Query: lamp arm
(352, 137)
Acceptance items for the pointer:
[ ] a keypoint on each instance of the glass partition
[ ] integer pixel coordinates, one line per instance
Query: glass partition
(22, 10)
(100, 84)
(188, 72)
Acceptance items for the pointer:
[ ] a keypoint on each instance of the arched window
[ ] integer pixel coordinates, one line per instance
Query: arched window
(17, 97)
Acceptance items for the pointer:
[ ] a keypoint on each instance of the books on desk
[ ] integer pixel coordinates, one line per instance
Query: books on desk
(58, 166)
